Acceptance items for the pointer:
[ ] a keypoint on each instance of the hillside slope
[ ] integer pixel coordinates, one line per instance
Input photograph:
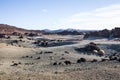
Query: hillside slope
(8, 29)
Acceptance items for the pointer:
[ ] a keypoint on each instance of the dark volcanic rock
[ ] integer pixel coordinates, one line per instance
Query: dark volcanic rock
(115, 32)
(103, 33)
(81, 60)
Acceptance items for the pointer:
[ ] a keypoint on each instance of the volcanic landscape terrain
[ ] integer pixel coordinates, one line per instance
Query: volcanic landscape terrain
(58, 57)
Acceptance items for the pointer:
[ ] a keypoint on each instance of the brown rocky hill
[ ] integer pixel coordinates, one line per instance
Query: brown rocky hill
(8, 29)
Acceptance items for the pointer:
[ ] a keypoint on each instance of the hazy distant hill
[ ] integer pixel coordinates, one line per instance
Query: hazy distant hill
(69, 30)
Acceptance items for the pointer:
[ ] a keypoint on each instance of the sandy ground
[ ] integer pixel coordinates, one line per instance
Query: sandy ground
(28, 62)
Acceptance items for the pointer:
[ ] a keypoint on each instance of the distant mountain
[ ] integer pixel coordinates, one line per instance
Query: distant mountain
(8, 29)
(114, 33)
(69, 30)
(53, 31)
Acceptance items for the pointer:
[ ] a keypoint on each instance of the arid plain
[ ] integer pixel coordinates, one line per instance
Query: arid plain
(56, 57)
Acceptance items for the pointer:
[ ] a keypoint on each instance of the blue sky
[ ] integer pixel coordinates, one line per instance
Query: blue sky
(60, 14)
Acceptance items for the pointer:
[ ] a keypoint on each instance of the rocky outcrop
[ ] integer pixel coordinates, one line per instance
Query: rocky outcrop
(114, 33)
(92, 48)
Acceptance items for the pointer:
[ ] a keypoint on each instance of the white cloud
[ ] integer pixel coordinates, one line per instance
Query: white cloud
(106, 17)
(44, 10)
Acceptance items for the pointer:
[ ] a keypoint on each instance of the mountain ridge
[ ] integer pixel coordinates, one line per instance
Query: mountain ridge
(9, 29)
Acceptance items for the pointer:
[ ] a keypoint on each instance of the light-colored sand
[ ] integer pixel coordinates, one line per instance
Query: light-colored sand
(37, 64)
